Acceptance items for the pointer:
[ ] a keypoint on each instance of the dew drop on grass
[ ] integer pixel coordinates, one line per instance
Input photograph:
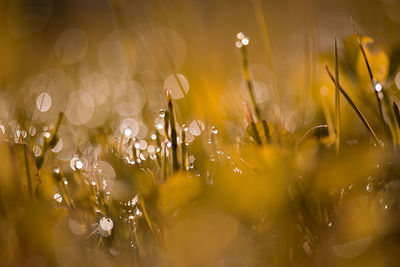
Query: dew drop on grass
(78, 165)
(162, 113)
(36, 151)
(378, 87)
(240, 35)
(57, 197)
(105, 226)
(32, 131)
(128, 132)
(245, 41)
(129, 126)
(137, 145)
(214, 130)
(212, 158)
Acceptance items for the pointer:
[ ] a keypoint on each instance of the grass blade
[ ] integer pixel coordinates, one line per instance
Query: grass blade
(337, 100)
(174, 136)
(371, 76)
(355, 108)
(253, 125)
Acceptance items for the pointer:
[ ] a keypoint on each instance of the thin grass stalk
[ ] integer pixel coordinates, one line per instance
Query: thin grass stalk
(158, 149)
(392, 120)
(252, 124)
(166, 124)
(51, 143)
(371, 76)
(250, 87)
(134, 151)
(28, 172)
(183, 148)
(355, 108)
(258, 10)
(174, 136)
(164, 161)
(396, 113)
(337, 100)
(152, 227)
(121, 141)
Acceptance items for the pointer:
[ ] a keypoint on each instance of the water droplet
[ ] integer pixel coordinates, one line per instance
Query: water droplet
(245, 41)
(378, 87)
(137, 145)
(78, 164)
(240, 35)
(162, 113)
(128, 132)
(212, 158)
(57, 197)
(36, 151)
(138, 212)
(214, 130)
(159, 126)
(105, 226)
